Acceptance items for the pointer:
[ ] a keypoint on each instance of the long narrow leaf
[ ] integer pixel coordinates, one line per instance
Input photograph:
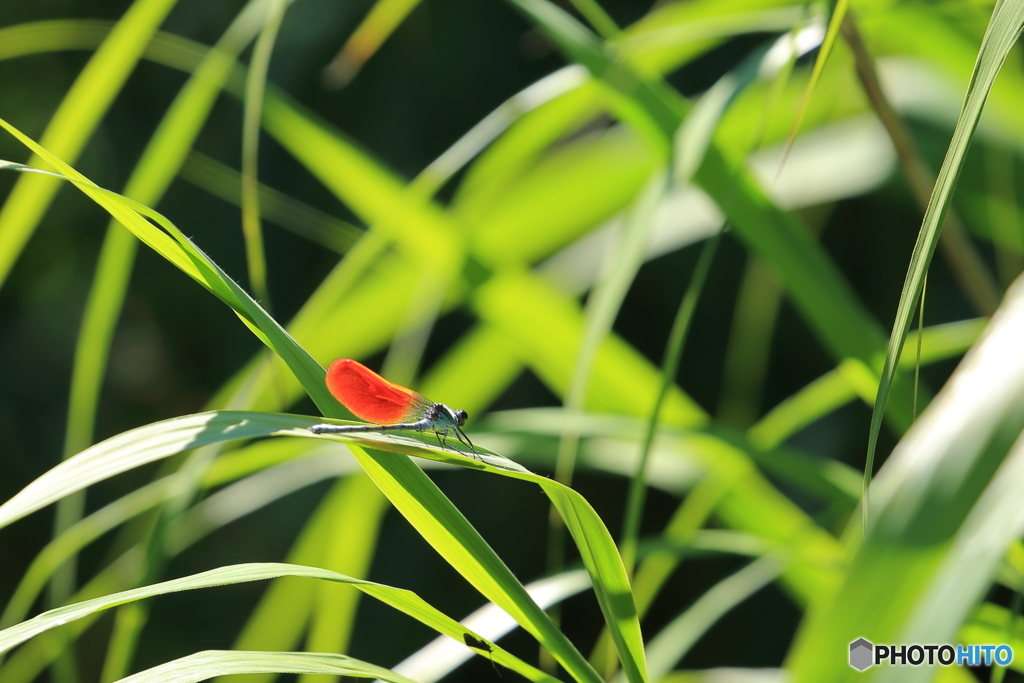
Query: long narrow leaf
(1003, 30)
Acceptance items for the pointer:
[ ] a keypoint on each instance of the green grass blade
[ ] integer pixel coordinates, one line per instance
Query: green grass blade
(442, 655)
(835, 22)
(547, 326)
(202, 666)
(138, 447)
(410, 490)
(78, 536)
(180, 251)
(444, 527)
(402, 600)
(1003, 31)
(282, 615)
(669, 368)
(255, 87)
(151, 177)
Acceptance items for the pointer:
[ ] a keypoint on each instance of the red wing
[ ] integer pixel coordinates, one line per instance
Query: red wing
(371, 397)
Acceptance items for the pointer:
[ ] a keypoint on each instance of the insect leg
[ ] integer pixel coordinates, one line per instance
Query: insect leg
(465, 439)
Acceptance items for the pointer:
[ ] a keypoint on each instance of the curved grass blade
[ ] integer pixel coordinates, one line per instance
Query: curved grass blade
(603, 307)
(202, 666)
(255, 86)
(76, 537)
(406, 485)
(442, 655)
(148, 181)
(179, 250)
(1003, 30)
(849, 381)
(402, 600)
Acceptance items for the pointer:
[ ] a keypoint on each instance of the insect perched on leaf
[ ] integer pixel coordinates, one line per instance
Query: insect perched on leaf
(390, 406)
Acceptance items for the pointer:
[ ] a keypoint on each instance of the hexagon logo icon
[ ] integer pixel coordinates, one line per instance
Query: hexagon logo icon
(861, 654)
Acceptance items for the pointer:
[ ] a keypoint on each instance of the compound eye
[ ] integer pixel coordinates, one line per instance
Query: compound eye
(461, 416)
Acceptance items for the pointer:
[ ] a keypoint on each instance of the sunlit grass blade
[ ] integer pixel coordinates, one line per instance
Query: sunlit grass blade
(624, 259)
(26, 663)
(451, 535)
(148, 181)
(965, 261)
(442, 655)
(1003, 31)
(282, 615)
(407, 487)
(402, 600)
(670, 365)
(138, 447)
(255, 87)
(76, 537)
(202, 666)
(180, 251)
